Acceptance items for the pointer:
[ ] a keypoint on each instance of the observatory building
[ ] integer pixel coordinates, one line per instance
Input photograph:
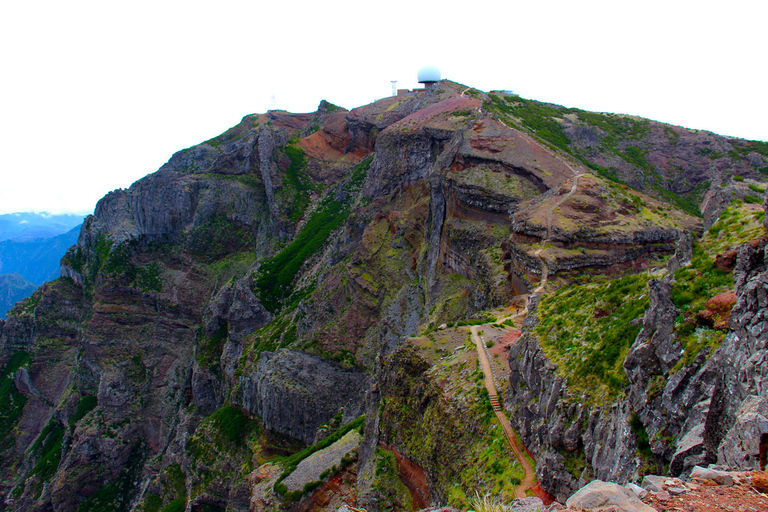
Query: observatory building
(429, 76)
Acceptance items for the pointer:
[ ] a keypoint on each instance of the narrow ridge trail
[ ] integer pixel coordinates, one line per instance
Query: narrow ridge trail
(530, 477)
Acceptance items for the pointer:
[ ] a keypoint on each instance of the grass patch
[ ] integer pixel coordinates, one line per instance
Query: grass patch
(85, 405)
(585, 330)
(296, 183)
(228, 429)
(209, 349)
(49, 444)
(217, 237)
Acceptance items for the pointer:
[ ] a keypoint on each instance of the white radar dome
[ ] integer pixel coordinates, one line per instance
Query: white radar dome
(429, 74)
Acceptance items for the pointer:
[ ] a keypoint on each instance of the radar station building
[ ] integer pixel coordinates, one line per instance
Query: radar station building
(429, 76)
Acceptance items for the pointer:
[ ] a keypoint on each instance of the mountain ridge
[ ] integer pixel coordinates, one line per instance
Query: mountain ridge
(198, 298)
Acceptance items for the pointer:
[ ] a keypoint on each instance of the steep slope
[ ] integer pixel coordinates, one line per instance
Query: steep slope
(258, 292)
(622, 376)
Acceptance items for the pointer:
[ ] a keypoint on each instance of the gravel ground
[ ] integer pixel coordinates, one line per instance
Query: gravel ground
(712, 498)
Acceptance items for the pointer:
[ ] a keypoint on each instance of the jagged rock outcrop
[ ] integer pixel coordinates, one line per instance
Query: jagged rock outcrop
(572, 441)
(710, 410)
(294, 393)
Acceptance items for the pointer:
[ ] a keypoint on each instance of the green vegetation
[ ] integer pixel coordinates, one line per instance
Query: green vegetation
(227, 428)
(394, 495)
(539, 117)
(219, 236)
(11, 400)
(575, 463)
(276, 275)
(296, 184)
(148, 278)
(755, 188)
(695, 284)
(49, 445)
(174, 492)
(636, 157)
(616, 133)
(585, 330)
(485, 504)
(292, 461)
(85, 405)
(223, 450)
(117, 494)
(209, 349)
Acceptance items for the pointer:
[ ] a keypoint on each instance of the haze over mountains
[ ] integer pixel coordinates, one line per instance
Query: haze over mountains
(31, 245)
(27, 226)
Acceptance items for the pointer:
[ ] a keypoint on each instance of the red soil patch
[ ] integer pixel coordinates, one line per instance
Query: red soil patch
(414, 478)
(420, 117)
(540, 493)
(502, 345)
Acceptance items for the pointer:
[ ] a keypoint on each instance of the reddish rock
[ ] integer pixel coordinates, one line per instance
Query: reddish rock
(726, 261)
(717, 312)
(760, 481)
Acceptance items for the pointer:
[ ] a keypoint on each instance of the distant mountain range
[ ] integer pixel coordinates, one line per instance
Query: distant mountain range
(13, 288)
(26, 264)
(26, 226)
(38, 260)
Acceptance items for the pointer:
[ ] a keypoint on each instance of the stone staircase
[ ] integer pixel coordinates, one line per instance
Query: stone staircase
(495, 402)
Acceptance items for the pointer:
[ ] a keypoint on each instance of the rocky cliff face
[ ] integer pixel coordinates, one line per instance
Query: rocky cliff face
(678, 411)
(259, 291)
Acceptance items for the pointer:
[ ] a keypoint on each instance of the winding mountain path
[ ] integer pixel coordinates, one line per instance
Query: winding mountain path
(530, 477)
(550, 210)
(576, 176)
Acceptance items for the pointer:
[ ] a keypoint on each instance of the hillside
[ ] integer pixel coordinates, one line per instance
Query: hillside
(279, 317)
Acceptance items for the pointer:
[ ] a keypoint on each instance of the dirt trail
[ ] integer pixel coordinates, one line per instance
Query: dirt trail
(530, 477)
(576, 176)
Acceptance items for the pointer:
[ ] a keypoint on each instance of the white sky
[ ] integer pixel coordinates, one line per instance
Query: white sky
(94, 95)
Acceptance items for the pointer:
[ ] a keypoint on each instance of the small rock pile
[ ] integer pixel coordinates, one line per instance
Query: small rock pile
(708, 490)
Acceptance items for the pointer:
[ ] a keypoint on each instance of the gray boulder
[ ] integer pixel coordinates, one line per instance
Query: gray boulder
(294, 393)
(653, 483)
(599, 495)
(719, 477)
(530, 504)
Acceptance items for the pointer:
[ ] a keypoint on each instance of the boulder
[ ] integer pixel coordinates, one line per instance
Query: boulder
(599, 495)
(690, 450)
(639, 491)
(530, 504)
(719, 477)
(741, 446)
(653, 483)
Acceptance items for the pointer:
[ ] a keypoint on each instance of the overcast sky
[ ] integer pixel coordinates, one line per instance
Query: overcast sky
(95, 95)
